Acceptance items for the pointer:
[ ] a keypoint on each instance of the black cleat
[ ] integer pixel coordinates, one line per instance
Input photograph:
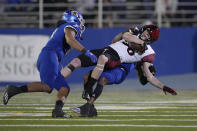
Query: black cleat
(86, 110)
(10, 92)
(59, 113)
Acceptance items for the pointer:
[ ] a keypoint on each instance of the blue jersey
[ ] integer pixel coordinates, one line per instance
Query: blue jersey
(57, 41)
(118, 74)
(128, 67)
(47, 62)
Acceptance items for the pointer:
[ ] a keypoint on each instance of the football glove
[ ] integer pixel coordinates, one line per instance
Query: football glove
(91, 56)
(169, 90)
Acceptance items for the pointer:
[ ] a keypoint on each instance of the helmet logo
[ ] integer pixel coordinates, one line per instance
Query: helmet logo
(75, 13)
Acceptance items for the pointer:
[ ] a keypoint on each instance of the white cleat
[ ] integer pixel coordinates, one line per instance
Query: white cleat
(76, 109)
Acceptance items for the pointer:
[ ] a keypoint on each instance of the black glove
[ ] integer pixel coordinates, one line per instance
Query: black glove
(169, 90)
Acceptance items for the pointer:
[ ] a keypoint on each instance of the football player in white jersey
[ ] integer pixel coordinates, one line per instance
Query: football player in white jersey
(130, 46)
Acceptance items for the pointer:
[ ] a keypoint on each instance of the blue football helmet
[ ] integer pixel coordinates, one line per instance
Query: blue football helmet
(74, 16)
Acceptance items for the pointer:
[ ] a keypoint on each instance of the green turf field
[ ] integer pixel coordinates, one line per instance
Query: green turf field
(118, 110)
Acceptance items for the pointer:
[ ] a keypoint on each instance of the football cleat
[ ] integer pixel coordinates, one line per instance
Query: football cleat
(59, 113)
(10, 92)
(75, 109)
(86, 110)
(78, 109)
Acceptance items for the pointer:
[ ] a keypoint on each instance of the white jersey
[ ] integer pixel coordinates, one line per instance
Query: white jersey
(125, 57)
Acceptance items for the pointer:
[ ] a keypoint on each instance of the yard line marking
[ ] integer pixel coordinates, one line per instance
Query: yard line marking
(133, 102)
(87, 119)
(147, 115)
(103, 125)
(115, 107)
(147, 111)
(49, 114)
(113, 111)
(123, 103)
(25, 114)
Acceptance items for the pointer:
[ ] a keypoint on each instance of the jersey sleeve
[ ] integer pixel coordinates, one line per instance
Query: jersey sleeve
(74, 26)
(149, 58)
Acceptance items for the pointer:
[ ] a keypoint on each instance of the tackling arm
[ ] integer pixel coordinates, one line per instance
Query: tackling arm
(70, 39)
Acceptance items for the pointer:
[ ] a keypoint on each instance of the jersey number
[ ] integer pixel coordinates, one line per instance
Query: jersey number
(130, 51)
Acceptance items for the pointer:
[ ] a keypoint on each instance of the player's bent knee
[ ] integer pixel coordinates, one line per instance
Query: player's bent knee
(102, 59)
(46, 88)
(64, 91)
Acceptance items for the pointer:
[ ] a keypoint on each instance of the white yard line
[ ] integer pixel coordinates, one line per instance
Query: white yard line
(114, 111)
(117, 103)
(87, 119)
(194, 101)
(147, 111)
(24, 114)
(49, 114)
(101, 125)
(148, 115)
(115, 107)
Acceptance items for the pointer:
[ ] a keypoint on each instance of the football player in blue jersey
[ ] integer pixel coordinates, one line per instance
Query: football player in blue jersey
(66, 36)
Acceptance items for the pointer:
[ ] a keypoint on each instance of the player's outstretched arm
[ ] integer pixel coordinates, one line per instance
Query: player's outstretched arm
(154, 81)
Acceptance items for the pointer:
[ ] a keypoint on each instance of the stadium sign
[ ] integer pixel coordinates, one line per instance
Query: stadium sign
(18, 56)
